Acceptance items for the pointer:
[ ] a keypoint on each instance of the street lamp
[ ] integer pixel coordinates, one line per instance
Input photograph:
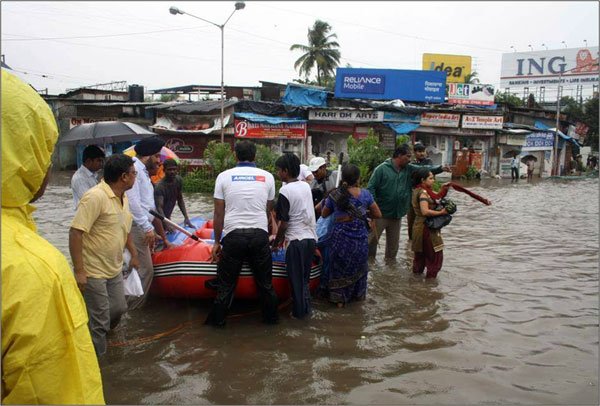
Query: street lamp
(530, 47)
(544, 45)
(513, 48)
(585, 42)
(238, 6)
(564, 43)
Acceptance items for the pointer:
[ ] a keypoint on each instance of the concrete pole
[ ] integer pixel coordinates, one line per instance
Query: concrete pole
(222, 82)
(555, 146)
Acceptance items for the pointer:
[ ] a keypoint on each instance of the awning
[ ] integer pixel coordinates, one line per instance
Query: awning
(402, 128)
(259, 118)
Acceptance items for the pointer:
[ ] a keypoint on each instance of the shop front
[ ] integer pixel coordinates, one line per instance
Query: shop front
(329, 129)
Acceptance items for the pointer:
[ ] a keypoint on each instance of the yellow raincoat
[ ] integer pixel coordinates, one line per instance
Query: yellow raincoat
(47, 352)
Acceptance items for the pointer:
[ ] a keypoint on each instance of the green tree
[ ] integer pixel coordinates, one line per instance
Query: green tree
(165, 98)
(265, 158)
(321, 52)
(366, 153)
(569, 106)
(219, 156)
(508, 99)
(590, 118)
(472, 77)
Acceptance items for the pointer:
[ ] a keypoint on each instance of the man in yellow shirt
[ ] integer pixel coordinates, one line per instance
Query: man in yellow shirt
(97, 238)
(47, 352)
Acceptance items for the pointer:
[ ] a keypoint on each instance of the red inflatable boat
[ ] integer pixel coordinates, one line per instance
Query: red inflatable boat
(182, 271)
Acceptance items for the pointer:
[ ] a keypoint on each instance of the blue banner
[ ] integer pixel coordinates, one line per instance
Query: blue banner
(391, 84)
(539, 140)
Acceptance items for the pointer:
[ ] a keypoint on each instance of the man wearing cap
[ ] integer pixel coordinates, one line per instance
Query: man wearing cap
(141, 201)
(323, 182)
(86, 177)
(47, 353)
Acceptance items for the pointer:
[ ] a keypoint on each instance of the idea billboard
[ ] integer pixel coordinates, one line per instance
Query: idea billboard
(456, 67)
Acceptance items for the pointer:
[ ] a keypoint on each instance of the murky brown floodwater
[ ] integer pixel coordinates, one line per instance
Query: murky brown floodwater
(512, 318)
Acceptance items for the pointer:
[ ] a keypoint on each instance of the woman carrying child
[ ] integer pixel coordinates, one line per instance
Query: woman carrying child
(427, 243)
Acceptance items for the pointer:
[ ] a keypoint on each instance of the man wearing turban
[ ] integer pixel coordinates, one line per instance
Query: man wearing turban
(47, 352)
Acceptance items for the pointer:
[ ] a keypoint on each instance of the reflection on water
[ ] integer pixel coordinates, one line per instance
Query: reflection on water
(512, 318)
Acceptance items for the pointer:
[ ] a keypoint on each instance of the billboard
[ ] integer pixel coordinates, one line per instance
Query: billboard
(249, 129)
(542, 68)
(457, 67)
(470, 93)
(390, 84)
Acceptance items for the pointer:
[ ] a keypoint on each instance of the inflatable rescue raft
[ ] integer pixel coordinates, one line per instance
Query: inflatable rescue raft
(182, 271)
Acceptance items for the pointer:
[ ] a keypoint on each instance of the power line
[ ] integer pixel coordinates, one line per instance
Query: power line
(94, 36)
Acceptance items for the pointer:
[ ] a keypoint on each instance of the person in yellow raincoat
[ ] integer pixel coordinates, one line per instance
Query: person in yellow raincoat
(47, 352)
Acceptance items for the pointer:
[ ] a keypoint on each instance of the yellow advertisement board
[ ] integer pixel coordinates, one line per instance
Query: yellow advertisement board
(455, 66)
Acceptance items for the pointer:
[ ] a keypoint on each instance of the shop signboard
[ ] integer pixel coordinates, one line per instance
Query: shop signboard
(482, 122)
(512, 139)
(391, 84)
(456, 67)
(249, 129)
(440, 119)
(539, 141)
(345, 115)
(470, 93)
(75, 121)
(402, 117)
(542, 68)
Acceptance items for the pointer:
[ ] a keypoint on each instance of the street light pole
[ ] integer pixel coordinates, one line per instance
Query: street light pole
(238, 6)
(555, 146)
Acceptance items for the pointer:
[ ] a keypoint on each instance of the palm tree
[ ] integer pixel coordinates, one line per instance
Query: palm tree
(320, 51)
(472, 77)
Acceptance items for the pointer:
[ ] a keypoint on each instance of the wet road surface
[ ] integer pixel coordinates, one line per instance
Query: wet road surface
(511, 318)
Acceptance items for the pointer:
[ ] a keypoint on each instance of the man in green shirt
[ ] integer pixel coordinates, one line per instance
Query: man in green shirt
(391, 186)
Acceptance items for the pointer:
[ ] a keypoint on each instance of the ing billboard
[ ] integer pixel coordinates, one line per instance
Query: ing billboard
(456, 67)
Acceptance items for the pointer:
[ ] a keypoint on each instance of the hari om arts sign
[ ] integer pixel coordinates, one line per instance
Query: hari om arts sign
(345, 115)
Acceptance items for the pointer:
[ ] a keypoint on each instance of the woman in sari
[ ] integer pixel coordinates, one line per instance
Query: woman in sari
(427, 244)
(349, 248)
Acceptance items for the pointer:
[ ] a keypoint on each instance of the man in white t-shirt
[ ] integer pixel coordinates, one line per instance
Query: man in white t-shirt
(243, 197)
(296, 213)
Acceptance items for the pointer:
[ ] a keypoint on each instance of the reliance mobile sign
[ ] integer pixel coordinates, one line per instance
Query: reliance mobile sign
(390, 84)
(540, 68)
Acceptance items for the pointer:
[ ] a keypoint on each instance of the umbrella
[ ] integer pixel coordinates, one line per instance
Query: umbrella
(104, 132)
(165, 153)
(526, 158)
(511, 153)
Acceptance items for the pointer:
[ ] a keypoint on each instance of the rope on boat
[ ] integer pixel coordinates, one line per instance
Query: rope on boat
(154, 337)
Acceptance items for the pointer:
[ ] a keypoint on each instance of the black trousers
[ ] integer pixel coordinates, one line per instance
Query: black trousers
(252, 245)
(298, 261)
(514, 173)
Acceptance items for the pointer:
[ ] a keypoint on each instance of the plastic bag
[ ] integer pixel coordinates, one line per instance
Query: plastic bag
(133, 284)
(437, 222)
(324, 227)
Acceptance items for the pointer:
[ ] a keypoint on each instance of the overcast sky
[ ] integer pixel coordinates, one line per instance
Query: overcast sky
(142, 43)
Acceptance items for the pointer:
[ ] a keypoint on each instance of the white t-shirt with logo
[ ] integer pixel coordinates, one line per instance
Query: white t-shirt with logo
(295, 205)
(246, 190)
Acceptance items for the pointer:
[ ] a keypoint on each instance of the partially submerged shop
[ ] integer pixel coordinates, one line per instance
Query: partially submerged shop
(463, 143)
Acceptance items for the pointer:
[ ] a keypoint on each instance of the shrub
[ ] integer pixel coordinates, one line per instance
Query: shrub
(219, 156)
(366, 153)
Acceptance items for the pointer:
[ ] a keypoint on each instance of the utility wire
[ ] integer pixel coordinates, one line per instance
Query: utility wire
(94, 36)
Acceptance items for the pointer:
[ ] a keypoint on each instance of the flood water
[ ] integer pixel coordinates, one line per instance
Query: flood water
(511, 318)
